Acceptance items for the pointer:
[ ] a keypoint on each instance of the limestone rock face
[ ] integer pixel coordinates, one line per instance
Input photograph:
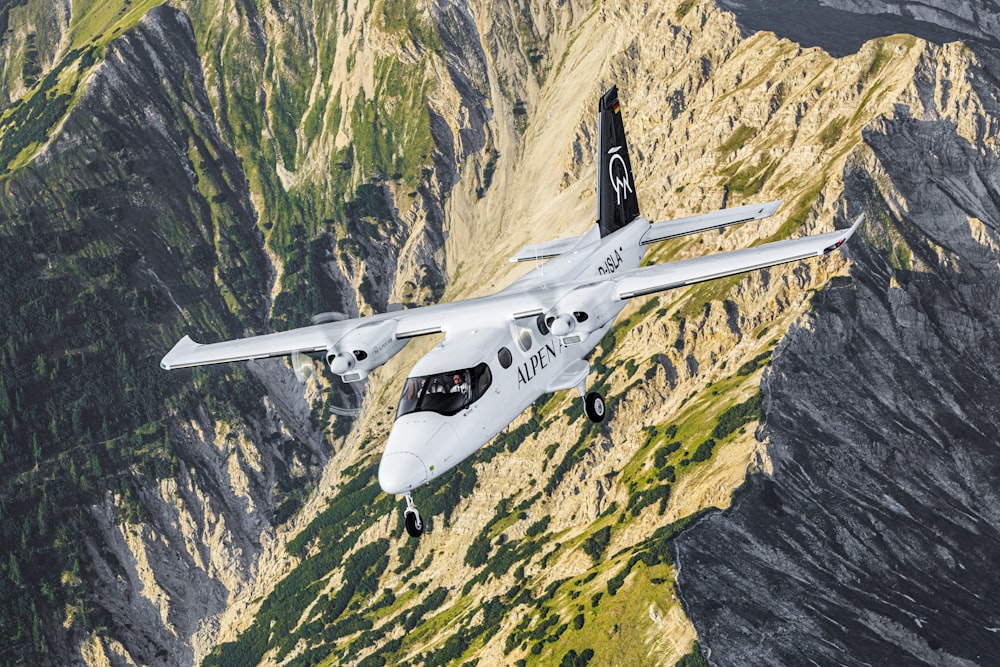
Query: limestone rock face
(979, 19)
(841, 27)
(871, 541)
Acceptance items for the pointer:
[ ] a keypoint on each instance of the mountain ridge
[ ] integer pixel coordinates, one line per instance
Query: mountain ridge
(317, 177)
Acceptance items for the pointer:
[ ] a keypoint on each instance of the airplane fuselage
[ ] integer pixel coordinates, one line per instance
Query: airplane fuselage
(505, 369)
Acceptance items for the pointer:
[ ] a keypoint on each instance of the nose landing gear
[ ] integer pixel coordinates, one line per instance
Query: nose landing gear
(414, 526)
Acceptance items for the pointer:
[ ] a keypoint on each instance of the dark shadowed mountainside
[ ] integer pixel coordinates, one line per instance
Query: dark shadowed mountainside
(841, 27)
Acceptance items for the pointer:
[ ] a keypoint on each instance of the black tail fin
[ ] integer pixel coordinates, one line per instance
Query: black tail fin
(617, 204)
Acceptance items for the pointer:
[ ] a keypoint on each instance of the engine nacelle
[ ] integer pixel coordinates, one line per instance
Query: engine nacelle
(363, 349)
(582, 311)
(561, 325)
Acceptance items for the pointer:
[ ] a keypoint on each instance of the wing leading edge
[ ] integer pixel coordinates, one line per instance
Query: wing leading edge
(662, 277)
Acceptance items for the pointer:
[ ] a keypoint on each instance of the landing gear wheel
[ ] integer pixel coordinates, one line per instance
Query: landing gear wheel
(593, 405)
(414, 527)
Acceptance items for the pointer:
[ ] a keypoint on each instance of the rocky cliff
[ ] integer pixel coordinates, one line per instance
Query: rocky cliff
(214, 169)
(871, 540)
(154, 497)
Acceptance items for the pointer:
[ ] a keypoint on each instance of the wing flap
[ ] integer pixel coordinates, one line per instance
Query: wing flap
(669, 229)
(661, 277)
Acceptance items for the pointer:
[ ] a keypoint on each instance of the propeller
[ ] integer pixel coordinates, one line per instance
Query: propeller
(303, 364)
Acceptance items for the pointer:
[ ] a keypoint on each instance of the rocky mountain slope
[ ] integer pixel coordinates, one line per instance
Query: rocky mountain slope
(213, 169)
(871, 541)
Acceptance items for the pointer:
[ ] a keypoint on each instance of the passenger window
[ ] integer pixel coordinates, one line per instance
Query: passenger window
(504, 357)
(524, 340)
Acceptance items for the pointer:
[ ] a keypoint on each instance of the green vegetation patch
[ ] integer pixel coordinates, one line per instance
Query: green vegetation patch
(98, 22)
(736, 416)
(407, 19)
(748, 368)
(392, 135)
(737, 139)
(746, 180)
(29, 122)
(831, 134)
(693, 659)
(683, 8)
(597, 544)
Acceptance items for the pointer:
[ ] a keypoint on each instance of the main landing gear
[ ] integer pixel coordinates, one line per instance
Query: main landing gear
(593, 403)
(414, 526)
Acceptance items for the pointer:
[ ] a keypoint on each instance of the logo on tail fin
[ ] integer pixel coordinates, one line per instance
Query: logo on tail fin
(614, 172)
(618, 173)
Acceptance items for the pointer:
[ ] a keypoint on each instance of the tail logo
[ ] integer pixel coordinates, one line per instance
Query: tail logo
(618, 174)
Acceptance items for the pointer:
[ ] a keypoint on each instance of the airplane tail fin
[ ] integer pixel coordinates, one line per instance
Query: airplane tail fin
(617, 204)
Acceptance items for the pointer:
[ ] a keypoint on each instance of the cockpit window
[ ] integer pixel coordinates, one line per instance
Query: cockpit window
(445, 393)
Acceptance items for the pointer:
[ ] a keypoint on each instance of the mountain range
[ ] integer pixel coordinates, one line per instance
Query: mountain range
(799, 465)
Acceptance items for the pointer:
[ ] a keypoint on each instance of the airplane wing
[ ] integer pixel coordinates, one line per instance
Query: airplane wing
(187, 353)
(669, 229)
(382, 335)
(659, 231)
(661, 277)
(359, 333)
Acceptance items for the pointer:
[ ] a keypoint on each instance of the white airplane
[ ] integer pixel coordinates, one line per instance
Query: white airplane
(502, 352)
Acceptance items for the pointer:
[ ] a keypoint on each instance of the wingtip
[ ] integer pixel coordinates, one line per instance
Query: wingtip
(842, 236)
(771, 207)
(184, 346)
(854, 226)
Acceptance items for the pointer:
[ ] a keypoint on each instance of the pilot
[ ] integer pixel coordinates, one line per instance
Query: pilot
(459, 385)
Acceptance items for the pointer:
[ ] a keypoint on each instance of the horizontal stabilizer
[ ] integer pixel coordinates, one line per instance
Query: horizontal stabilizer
(670, 229)
(661, 277)
(545, 250)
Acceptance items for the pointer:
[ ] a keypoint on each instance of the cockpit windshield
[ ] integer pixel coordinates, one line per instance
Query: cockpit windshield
(444, 393)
